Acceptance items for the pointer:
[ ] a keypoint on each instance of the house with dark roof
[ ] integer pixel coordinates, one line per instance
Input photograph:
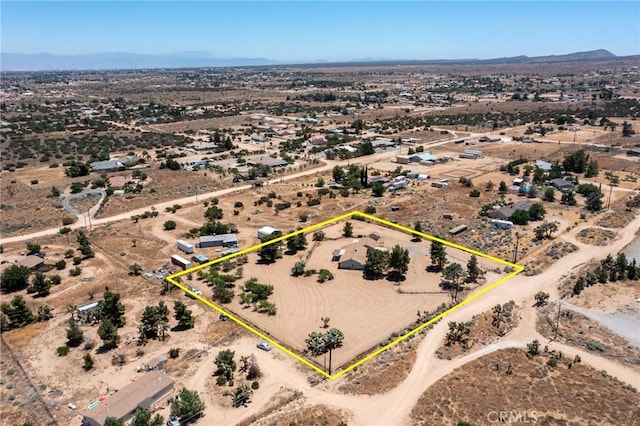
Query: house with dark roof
(146, 392)
(562, 185)
(505, 213)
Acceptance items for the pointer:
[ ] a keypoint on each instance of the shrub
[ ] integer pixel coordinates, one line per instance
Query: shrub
(62, 350)
(174, 353)
(61, 264)
(255, 385)
(66, 220)
(169, 225)
(474, 193)
(34, 181)
(75, 272)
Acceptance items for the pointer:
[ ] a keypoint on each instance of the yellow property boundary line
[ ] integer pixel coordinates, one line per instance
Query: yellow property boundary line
(172, 279)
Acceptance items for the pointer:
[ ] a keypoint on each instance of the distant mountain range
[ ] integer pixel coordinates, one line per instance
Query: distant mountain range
(119, 61)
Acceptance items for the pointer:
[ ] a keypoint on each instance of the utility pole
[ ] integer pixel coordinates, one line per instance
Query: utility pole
(557, 320)
(515, 253)
(89, 216)
(610, 192)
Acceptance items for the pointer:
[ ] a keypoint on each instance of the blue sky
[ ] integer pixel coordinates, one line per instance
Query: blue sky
(322, 30)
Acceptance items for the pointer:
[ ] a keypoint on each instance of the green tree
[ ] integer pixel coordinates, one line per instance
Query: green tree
(318, 235)
(545, 230)
(537, 211)
(399, 260)
(33, 248)
(135, 269)
(143, 417)
(347, 230)
(17, 312)
(498, 316)
(74, 334)
(377, 263)
(549, 194)
(473, 269)
(112, 421)
(520, 217)
(226, 364)
(315, 343)
(154, 321)
(454, 274)
(568, 198)
(187, 405)
(183, 315)
(108, 332)
(298, 268)
(14, 278)
(438, 255)
(88, 362)
(541, 298)
(40, 285)
(338, 174)
(594, 201)
(592, 169)
(269, 253)
(502, 188)
(111, 308)
(417, 226)
(296, 243)
(240, 395)
(169, 225)
(377, 189)
(627, 129)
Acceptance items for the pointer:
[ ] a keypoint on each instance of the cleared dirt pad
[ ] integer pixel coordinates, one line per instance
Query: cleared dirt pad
(366, 311)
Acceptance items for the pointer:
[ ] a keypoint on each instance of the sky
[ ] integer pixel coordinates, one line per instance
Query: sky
(322, 30)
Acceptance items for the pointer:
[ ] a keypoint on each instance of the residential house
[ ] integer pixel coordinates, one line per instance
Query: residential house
(107, 166)
(505, 213)
(562, 185)
(354, 256)
(146, 392)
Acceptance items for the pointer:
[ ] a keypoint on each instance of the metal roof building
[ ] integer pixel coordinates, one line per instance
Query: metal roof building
(145, 392)
(222, 240)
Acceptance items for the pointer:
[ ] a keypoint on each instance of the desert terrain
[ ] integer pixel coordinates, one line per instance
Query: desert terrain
(289, 156)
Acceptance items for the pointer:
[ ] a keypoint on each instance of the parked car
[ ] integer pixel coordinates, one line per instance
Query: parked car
(195, 290)
(264, 346)
(173, 421)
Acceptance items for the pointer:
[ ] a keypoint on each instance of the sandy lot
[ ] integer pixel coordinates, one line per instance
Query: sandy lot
(368, 312)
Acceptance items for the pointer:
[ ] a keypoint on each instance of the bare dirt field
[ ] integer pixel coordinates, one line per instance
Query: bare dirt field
(368, 312)
(508, 381)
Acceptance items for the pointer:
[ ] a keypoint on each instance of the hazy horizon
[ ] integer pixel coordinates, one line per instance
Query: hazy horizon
(298, 32)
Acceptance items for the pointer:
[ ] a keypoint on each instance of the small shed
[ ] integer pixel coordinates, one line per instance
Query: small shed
(265, 231)
(458, 229)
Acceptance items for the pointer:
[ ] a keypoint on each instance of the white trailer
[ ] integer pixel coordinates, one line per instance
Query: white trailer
(502, 224)
(185, 246)
(180, 261)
